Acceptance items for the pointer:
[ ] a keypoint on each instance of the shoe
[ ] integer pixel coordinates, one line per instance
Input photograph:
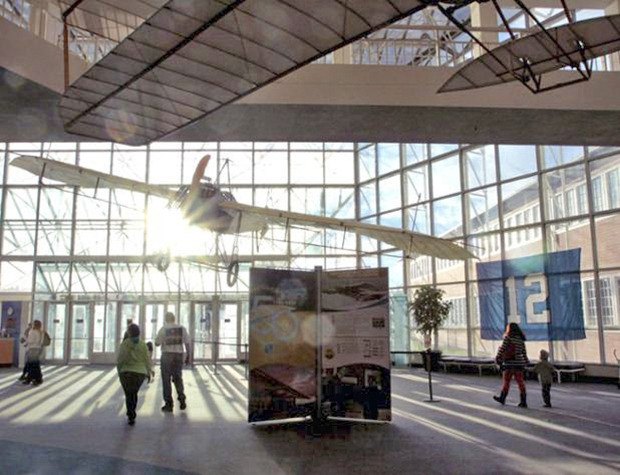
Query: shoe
(501, 398)
(26, 381)
(182, 405)
(131, 422)
(21, 378)
(523, 402)
(166, 408)
(37, 383)
(547, 405)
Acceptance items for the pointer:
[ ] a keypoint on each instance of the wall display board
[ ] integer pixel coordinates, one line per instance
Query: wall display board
(319, 337)
(355, 344)
(542, 293)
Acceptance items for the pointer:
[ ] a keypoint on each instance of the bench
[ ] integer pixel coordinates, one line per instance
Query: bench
(464, 361)
(570, 367)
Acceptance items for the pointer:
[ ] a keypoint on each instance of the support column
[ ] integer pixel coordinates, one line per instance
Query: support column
(343, 55)
(484, 15)
(614, 62)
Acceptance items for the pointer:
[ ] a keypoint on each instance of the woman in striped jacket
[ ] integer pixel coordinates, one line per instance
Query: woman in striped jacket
(512, 357)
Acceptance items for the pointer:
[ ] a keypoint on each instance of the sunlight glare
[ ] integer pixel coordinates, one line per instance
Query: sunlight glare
(169, 231)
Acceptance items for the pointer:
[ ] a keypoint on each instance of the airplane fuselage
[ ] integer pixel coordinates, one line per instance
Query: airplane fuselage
(201, 207)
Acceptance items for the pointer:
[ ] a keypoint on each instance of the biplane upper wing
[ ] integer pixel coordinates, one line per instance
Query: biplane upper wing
(85, 177)
(410, 242)
(192, 57)
(545, 51)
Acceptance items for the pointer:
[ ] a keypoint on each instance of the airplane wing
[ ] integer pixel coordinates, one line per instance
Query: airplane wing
(410, 242)
(546, 51)
(192, 57)
(74, 175)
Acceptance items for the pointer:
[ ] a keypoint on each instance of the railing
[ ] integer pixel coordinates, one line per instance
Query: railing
(47, 25)
(437, 52)
(16, 11)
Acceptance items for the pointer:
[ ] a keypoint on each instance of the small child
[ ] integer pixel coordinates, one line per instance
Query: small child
(545, 370)
(149, 347)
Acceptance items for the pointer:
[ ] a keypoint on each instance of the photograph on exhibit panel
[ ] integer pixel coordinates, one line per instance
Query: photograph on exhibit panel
(282, 350)
(355, 344)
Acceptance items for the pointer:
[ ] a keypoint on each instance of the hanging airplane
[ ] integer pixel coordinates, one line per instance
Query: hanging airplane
(188, 58)
(206, 205)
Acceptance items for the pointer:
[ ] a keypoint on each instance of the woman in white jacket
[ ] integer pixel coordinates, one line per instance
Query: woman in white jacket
(34, 342)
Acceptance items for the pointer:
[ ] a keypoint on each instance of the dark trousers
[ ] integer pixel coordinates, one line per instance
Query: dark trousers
(172, 369)
(33, 365)
(546, 393)
(131, 383)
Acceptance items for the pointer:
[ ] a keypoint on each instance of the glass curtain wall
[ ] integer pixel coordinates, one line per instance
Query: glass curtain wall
(505, 202)
(61, 244)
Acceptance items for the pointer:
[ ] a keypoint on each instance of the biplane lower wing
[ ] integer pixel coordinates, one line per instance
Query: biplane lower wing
(411, 243)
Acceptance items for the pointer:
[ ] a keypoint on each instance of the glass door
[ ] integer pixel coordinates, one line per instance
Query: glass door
(201, 331)
(56, 326)
(104, 334)
(79, 343)
(229, 331)
(153, 321)
(128, 312)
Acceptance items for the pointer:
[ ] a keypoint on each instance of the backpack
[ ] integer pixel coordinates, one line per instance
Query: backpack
(46, 339)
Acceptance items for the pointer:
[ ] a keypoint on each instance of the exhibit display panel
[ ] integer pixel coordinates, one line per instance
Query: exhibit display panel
(355, 344)
(319, 344)
(283, 323)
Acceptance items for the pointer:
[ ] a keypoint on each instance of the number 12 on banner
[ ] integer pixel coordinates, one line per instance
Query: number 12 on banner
(531, 316)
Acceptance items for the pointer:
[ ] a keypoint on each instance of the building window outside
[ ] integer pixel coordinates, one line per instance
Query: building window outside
(582, 199)
(597, 194)
(613, 191)
(607, 302)
(457, 318)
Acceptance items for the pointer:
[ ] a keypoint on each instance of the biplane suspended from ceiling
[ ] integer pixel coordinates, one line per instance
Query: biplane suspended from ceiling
(177, 61)
(206, 205)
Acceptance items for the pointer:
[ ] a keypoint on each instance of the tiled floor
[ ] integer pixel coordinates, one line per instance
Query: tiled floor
(74, 423)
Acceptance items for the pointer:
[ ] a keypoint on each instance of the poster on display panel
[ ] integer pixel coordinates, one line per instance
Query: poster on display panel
(282, 360)
(292, 352)
(355, 344)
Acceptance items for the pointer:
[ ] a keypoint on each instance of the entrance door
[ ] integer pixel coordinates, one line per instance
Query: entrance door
(229, 331)
(56, 327)
(104, 333)
(202, 331)
(154, 320)
(80, 341)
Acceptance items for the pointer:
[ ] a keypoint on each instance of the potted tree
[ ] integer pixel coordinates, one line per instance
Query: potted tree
(429, 312)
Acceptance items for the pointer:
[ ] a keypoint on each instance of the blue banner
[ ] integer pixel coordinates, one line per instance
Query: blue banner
(541, 293)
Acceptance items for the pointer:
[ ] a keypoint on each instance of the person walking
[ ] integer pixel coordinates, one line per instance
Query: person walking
(172, 337)
(545, 370)
(134, 366)
(23, 340)
(512, 357)
(34, 342)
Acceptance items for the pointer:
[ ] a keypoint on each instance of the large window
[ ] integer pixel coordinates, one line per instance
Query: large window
(505, 201)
